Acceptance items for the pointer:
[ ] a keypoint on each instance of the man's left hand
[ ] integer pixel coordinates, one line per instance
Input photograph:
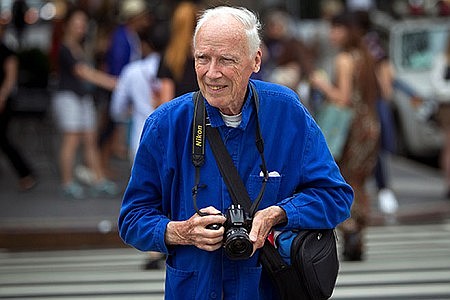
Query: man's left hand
(263, 222)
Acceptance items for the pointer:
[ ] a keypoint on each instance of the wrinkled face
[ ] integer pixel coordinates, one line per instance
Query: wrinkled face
(223, 63)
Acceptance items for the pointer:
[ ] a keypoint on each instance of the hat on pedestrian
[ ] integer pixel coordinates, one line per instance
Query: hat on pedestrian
(131, 9)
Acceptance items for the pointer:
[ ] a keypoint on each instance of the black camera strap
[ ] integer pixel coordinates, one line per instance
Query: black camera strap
(230, 174)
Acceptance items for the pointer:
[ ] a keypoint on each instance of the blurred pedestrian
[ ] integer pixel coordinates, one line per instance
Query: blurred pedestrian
(8, 81)
(74, 108)
(440, 81)
(290, 60)
(19, 11)
(176, 73)
(385, 73)
(125, 47)
(354, 86)
(275, 36)
(318, 40)
(320, 34)
(138, 89)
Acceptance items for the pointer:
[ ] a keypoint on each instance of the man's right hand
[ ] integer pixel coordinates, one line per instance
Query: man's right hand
(194, 232)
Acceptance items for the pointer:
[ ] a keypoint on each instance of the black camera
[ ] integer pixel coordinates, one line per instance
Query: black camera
(237, 243)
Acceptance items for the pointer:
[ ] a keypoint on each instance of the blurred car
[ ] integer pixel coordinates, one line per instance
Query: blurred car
(412, 45)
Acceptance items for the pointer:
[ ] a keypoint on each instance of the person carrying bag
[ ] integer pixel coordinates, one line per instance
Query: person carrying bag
(177, 202)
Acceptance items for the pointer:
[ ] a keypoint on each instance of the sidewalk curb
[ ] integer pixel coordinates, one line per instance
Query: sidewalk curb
(58, 239)
(27, 238)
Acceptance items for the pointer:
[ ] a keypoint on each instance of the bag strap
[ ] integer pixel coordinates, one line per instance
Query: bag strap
(230, 175)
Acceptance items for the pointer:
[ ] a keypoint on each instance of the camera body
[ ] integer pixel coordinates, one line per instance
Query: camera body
(237, 242)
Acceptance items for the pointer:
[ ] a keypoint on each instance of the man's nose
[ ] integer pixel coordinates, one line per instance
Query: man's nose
(214, 70)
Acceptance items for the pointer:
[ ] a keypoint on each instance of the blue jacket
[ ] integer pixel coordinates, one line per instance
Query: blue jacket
(162, 177)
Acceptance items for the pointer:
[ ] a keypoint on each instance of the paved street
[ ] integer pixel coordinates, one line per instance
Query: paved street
(403, 262)
(82, 257)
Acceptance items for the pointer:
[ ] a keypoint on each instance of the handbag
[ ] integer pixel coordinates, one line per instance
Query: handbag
(314, 265)
(335, 122)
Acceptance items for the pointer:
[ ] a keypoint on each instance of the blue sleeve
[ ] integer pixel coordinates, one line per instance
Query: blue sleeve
(118, 54)
(142, 223)
(323, 198)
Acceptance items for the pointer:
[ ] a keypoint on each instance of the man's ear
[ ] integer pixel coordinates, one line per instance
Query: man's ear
(257, 61)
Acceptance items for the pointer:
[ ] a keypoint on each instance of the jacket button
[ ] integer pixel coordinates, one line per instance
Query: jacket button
(213, 295)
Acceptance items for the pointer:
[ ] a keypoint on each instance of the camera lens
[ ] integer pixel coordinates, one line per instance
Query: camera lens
(237, 244)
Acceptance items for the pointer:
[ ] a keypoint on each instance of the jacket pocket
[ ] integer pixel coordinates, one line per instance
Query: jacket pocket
(250, 279)
(180, 284)
(271, 192)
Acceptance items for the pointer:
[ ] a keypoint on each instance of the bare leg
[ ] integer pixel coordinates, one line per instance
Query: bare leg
(92, 155)
(70, 143)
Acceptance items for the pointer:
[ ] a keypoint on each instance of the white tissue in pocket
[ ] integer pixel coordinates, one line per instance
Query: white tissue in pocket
(271, 174)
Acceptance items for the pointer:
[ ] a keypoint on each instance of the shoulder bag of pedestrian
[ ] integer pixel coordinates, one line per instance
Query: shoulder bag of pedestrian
(310, 271)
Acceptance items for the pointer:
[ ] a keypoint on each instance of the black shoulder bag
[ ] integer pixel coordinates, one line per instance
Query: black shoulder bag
(314, 264)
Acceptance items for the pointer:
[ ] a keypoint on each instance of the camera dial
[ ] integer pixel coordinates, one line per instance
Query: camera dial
(215, 226)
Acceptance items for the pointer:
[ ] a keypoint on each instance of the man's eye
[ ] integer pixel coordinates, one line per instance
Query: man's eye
(228, 60)
(201, 59)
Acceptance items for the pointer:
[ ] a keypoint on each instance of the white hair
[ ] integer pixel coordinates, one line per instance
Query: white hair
(248, 19)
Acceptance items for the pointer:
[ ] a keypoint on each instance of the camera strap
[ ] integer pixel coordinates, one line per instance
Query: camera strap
(230, 174)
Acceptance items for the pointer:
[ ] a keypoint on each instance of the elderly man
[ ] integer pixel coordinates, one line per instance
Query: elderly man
(304, 189)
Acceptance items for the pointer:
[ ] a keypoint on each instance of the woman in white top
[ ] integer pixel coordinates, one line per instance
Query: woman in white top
(138, 88)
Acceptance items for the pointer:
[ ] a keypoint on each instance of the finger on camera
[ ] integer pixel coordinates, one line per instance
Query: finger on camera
(213, 219)
(215, 229)
(212, 247)
(257, 232)
(215, 240)
(210, 210)
(209, 244)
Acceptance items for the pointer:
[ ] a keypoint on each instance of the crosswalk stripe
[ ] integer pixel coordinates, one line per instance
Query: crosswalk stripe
(423, 291)
(402, 262)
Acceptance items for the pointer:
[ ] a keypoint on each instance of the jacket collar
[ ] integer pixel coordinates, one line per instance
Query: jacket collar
(216, 119)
